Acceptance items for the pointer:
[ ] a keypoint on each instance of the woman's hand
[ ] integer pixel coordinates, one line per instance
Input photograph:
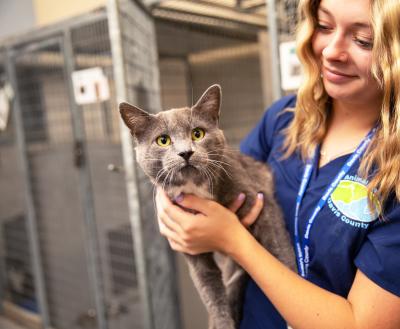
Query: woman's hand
(213, 228)
(251, 217)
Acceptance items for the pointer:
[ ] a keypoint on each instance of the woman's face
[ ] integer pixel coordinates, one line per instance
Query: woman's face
(342, 43)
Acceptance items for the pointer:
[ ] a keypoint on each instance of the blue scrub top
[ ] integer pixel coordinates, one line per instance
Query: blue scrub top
(346, 234)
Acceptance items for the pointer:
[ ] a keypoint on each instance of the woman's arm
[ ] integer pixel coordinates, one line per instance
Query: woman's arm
(305, 305)
(301, 303)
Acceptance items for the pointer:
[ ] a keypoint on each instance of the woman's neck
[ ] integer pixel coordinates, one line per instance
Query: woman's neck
(348, 125)
(353, 117)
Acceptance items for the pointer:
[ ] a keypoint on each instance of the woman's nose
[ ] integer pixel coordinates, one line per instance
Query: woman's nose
(336, 49)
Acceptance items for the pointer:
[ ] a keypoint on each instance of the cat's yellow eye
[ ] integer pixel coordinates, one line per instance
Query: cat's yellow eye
(197, 134)
(163, 140)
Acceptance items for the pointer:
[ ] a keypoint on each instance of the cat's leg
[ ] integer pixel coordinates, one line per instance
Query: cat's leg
(207, 279)
(235, 284)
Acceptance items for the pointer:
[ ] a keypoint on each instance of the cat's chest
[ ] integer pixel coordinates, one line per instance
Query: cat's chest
(201, 190)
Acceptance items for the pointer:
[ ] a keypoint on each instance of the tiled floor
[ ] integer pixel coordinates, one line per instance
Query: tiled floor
(7, 324)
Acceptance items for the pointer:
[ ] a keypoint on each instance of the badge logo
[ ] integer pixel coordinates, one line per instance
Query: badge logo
(349, 202)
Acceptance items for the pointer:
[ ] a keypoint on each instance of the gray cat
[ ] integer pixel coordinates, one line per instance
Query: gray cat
(183, 151)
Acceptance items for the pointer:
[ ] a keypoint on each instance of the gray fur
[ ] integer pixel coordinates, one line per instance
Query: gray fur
(217, 173)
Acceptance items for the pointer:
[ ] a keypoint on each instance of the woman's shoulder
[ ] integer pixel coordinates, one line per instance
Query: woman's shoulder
(278, 115)
(282, 108)
(288, 101)
(259, 141)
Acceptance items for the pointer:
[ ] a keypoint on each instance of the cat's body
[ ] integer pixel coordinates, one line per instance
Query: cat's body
(192, 158)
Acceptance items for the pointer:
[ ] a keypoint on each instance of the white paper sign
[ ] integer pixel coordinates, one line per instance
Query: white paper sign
(6, 94)
(291, 75)
(90, 86)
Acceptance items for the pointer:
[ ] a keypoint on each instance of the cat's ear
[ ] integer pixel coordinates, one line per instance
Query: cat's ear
(136, 119)
(209, 103)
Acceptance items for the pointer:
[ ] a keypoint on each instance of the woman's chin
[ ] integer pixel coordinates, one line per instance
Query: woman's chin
(342, 93)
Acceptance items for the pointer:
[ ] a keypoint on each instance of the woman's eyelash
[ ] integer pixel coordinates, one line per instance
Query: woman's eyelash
(364, 43)
(322, 27)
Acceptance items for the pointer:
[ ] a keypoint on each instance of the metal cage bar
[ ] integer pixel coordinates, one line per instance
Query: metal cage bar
(86, 190)
(129, 162)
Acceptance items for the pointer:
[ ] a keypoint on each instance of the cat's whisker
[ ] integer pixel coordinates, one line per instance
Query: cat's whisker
(223, 169)
(222, 155)
(208, 183)
(213, 168)
(173, 172)
(165, 180)
(208, 159)
(209, 155)
(219, 161)
(204, 172)
(172, 168)
(226, 155)
(214, 174)
(215, 171)
(220, 166)
(154, 199)
(222, 163)
(160, 173)
(209, 176)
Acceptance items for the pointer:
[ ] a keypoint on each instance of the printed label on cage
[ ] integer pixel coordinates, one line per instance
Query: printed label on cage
(90, 86)
(291, 75)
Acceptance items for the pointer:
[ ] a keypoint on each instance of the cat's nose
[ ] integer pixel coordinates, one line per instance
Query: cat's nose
(186, 155)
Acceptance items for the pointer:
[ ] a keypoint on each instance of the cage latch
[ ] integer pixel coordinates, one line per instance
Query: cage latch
(79, 156)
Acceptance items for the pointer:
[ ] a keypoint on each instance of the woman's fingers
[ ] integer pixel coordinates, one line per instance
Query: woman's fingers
(237, 203)
(176, 246)
(254, 212)
(167, 225)
(170, 213)
(176, 241)
(168, 228)
(195, 203)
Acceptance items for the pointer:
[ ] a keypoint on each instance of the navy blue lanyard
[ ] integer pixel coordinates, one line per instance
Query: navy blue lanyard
(302, 251)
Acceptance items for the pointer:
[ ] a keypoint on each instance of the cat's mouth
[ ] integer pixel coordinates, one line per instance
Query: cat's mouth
(188, 165)
(188, 168)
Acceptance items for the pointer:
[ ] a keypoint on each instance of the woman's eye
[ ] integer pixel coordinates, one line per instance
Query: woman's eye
(163, 140)
(197, 134)
(322, 27)
(364, 43)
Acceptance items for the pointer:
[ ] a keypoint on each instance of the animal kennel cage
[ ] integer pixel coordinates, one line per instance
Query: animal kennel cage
(79, 243)
(81, 249)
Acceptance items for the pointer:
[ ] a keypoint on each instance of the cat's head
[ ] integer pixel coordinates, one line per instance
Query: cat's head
(179, 145)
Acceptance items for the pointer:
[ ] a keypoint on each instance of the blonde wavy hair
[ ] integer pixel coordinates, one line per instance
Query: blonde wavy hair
(309, 125)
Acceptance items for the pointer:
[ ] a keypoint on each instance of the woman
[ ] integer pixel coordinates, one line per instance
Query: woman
(342, 142)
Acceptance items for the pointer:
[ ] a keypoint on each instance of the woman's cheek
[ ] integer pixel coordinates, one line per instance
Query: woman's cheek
(320, 42)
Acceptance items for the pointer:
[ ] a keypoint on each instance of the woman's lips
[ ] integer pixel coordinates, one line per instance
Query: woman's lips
(336, 76)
